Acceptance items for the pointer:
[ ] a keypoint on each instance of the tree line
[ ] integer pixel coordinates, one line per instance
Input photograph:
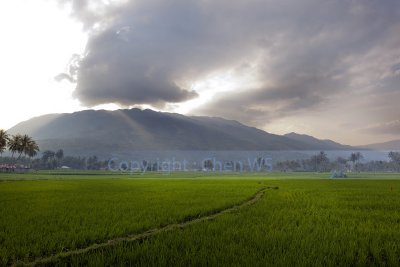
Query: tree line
(51, 160)
(321, 163)
(24, 145)
(18, 145)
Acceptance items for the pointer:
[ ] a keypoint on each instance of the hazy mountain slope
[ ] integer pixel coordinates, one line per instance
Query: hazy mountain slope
(391, 145)
(314, 143)
(105, 132)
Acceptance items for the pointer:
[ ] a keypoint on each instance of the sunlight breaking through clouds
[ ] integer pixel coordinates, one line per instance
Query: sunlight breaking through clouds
(259, 62)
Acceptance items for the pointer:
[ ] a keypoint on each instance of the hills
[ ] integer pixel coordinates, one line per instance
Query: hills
(316, 144)
(103, 132)
(389, 146)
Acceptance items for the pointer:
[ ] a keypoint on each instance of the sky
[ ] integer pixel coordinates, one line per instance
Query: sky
(327, 68)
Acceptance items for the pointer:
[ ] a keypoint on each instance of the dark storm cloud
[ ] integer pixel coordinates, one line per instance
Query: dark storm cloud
(260, 106)
(306, 53)
(148, 52)
(326, 53)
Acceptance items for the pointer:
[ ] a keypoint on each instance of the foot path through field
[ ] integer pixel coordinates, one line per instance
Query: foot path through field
(148, 233)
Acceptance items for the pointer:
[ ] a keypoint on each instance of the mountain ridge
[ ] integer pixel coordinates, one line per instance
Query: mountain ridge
(103, 131)
(308, 139)
(389, 145)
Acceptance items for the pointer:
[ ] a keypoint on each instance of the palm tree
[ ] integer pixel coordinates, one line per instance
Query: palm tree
(321, 161)
(3, 141)
(26, 142)
(14, 144)
(22, 144)
(355, 157)
(32, 149)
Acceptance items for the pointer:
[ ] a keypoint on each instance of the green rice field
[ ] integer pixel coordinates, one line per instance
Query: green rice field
(199, 219)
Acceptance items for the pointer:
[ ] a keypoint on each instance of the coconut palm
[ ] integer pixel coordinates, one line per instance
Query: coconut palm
(355, 158)
(24, 146)
(32, 149)
(3, 141)
(14, 144)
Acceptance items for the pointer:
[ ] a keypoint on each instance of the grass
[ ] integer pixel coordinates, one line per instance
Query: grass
(304, 223)
(318, 221)
(42, 217)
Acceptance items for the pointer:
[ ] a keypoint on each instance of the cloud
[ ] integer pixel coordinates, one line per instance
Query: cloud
(326, 56)
(306, 54)
(387, 128)
(64, 76)
(148, 52)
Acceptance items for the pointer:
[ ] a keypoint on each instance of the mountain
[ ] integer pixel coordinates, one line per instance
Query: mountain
(315, 144)
(391, 145)
(104, 132)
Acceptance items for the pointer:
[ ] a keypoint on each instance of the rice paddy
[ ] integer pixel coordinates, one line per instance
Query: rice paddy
(305, 219)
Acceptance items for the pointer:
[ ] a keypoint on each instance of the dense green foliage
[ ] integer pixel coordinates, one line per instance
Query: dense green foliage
(310, 220)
